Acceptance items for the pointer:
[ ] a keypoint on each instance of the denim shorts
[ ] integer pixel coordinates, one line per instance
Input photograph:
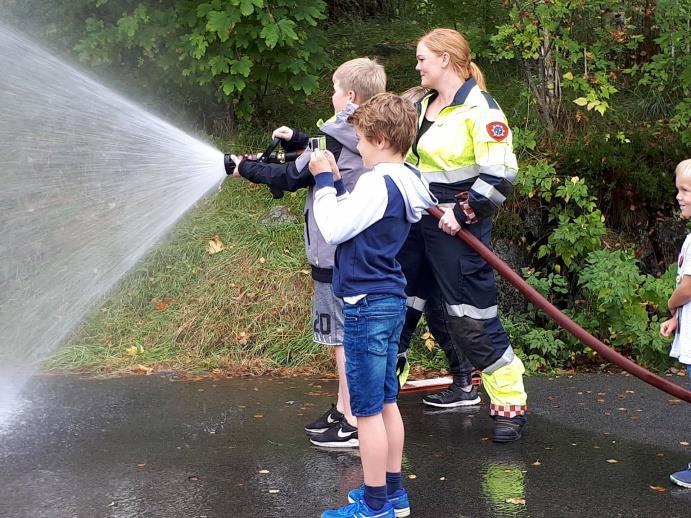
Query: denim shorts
(371, 332)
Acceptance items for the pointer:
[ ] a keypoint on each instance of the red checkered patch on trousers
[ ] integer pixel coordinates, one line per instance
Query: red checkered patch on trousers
(507, 410)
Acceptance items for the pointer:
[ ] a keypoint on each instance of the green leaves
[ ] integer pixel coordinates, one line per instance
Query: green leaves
(222, 22)
(270, 34)
(569, 50)
(225, 45)
(242, 66)
(232, 84)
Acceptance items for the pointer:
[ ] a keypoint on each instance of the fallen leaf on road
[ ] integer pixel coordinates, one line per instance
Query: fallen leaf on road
(659, 489)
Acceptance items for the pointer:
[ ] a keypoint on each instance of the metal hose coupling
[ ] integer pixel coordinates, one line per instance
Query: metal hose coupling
(228, 164)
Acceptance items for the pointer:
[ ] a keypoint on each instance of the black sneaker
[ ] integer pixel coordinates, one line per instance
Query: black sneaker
(342, 436)
(453, 396)
(329, 419)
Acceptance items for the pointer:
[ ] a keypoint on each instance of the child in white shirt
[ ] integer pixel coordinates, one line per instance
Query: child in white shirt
(679, 303)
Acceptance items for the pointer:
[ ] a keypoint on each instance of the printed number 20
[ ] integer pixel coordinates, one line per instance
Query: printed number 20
(322, 324)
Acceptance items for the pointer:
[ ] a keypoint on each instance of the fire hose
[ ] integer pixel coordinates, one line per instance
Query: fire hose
(565, 322)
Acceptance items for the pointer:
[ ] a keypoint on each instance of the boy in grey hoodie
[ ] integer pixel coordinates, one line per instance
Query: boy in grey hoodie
(354, 82)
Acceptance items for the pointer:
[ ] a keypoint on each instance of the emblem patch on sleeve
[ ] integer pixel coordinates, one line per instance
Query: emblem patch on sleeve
(497, 130)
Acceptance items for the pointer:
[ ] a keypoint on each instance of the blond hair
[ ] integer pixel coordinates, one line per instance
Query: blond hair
(415, 93)
(456, 46)
(389, 117)
(683, 167)
(364, 76)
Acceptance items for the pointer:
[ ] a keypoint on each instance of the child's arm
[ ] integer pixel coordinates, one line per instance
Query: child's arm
(289, 176)
(342, 219)
(668, 327)
(681, 294)
(293, 139)
(286, 177)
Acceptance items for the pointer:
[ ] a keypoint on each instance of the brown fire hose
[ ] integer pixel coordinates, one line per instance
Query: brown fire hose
(581, 334)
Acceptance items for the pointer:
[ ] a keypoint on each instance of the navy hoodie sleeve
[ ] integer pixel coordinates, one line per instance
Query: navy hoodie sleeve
(299, 141)
(285, 177)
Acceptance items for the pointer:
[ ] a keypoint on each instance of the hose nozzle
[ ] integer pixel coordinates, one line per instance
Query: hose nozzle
(228, 164)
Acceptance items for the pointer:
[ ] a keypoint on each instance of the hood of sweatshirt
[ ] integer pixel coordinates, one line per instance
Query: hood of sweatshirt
(340, 129)
(412, 186)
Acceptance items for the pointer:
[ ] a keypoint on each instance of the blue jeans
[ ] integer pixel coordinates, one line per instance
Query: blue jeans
(371, 332)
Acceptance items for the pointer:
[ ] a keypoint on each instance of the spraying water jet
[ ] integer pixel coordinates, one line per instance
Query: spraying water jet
(91, 181)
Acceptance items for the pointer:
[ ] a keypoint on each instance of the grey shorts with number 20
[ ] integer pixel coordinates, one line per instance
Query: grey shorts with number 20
(327, 315)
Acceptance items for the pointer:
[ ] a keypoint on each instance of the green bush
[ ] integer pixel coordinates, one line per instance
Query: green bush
(630, 174)
(626, 305)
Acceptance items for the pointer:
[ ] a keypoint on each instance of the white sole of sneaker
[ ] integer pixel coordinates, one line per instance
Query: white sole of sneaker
(679, 482)
(400, 513)
(469, 402)
(315, 431)
(350, 443)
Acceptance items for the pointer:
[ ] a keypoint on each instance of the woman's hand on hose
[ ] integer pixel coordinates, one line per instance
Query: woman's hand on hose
(448, 222)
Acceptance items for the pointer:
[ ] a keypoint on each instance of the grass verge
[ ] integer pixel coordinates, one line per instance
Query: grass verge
(245, 309)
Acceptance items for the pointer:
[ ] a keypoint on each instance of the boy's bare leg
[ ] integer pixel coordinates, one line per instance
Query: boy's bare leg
(395, 436)
(343, 403)
(373, 449)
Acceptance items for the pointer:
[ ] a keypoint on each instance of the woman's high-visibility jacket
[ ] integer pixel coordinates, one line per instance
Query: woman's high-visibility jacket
(467, 150)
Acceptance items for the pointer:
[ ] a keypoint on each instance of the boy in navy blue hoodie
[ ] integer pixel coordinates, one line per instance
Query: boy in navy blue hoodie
(369, 225)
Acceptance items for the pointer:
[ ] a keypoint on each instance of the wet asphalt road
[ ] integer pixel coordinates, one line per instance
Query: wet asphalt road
(156, 447)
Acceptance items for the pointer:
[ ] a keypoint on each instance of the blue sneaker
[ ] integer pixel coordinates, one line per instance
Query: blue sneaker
(360, 509)
(682, 478)
(399, 500)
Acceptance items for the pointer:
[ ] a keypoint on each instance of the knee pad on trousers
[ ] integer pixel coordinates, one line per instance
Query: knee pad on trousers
(459, 365)
(470, 339)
